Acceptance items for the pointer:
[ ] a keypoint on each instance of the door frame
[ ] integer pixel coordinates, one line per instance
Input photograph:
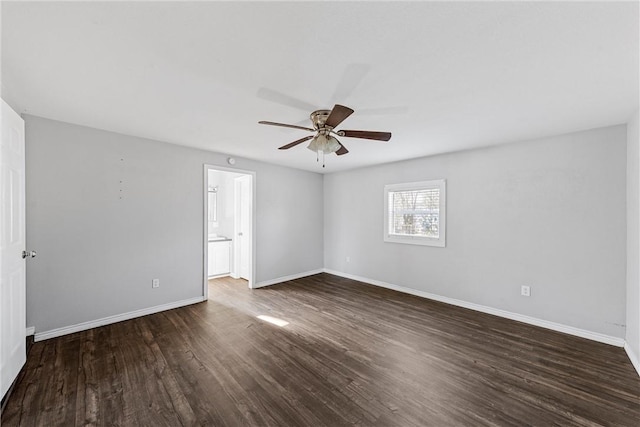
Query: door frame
(205, 225)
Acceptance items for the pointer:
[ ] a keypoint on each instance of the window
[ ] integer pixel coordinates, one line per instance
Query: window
(415, 213)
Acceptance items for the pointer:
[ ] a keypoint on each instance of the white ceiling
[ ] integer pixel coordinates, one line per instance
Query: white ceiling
(440, 76)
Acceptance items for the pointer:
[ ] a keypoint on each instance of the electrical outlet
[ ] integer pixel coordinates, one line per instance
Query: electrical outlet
(525, 291)
(155, 283)
(348, 259)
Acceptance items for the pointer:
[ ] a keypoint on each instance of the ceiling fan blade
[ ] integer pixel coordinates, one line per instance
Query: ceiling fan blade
(382, 111)
(294, 143)
(366, 134)
(337, 115)
(351, 78)
(262, 122)
(283, 99)
(342, 150)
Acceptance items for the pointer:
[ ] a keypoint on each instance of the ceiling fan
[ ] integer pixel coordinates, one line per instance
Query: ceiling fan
(324, 123)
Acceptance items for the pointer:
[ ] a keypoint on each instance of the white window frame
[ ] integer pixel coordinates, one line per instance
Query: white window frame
(442, 220)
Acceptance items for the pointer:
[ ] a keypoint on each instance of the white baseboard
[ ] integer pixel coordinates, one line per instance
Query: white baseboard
(633, 357)
(31, 330)
(595, 336)
(40, 336)
(287, 278)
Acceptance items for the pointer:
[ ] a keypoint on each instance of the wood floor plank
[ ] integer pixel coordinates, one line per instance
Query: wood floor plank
(351, 354)
(58, 385)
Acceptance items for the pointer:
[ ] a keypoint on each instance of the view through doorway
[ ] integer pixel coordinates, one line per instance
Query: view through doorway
(229, 229)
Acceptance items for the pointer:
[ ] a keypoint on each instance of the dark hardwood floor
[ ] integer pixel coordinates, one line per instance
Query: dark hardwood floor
(351, 354)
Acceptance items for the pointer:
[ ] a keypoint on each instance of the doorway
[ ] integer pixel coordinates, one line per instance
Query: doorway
(228, 225)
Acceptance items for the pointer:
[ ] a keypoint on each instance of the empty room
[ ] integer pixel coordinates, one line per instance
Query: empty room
(320, 213)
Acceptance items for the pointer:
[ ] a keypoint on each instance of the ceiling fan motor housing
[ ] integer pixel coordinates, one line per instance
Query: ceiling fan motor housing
(319, 117)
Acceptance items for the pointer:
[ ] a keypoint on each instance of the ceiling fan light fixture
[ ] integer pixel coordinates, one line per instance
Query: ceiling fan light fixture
(332, 145)
(325, 144)
(314, 145)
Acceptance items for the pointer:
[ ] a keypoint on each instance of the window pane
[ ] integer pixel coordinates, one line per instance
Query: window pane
(415, 212)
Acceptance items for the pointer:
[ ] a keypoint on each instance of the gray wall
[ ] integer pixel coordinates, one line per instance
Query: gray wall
(108, 212)
(633, 236)
(549, 213)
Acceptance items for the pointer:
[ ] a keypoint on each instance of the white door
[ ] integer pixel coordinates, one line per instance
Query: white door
(12, 245)
(243, 195)
(245, 226)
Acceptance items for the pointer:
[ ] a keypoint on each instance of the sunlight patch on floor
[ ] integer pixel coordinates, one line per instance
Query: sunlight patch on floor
(274, 320)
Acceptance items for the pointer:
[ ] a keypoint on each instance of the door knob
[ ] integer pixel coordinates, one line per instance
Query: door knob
(26, 254)
(240, 233)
